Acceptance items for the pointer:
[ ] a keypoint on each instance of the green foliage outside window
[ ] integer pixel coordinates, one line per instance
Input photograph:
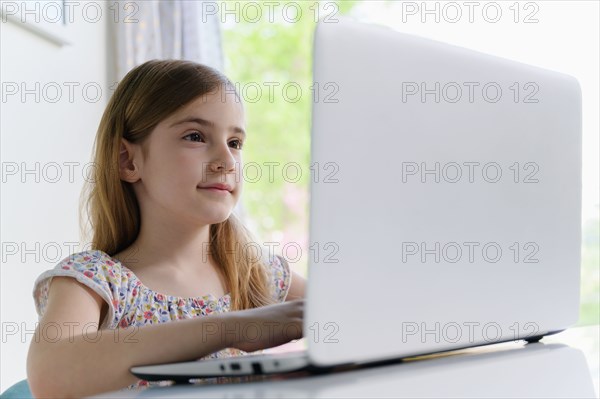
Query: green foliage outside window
(259, 55)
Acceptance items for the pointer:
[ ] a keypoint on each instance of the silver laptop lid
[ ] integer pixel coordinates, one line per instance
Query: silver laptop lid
(445, 197)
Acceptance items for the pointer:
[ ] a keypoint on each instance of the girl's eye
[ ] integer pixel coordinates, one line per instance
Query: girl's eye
(195, 135)
(239, 144)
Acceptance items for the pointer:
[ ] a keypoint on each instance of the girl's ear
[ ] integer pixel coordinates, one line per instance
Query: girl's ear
(128, 170)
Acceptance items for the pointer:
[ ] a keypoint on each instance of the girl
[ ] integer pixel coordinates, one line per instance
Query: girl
(168, 153)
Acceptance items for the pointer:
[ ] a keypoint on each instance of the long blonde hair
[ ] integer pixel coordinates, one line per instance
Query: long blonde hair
(148, 94)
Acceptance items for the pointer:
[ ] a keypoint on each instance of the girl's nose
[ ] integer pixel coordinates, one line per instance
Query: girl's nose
(223, 160)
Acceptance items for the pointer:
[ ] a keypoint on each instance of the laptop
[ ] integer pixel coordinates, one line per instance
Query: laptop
(445, 205)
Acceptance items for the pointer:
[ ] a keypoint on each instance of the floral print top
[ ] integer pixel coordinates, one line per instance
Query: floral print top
(131, 303)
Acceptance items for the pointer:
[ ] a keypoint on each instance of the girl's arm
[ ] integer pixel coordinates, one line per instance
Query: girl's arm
(297, 288)
(70, 358)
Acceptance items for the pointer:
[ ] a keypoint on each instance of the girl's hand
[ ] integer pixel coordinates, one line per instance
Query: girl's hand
(267, 326)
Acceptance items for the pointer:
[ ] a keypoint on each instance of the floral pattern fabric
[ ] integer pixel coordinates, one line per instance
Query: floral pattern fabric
(131, 303)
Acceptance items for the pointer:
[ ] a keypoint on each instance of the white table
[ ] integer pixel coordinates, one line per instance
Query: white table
(561, 365)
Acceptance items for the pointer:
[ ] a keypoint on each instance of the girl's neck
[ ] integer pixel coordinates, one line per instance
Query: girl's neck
(177, 251)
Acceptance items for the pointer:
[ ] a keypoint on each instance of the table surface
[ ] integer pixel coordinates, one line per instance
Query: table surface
(561, 365)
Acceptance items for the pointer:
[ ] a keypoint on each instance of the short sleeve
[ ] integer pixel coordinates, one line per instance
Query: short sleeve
(96, 270)
(282, 277)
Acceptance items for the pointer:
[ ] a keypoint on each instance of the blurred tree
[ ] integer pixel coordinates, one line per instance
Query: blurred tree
(590, 273)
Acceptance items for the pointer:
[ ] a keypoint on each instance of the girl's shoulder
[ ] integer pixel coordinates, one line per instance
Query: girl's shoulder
(92, 264)
(89, 259)
(281, 274)
(92, 268)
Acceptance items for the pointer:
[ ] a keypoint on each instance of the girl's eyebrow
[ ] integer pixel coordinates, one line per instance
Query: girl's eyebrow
(205, 122)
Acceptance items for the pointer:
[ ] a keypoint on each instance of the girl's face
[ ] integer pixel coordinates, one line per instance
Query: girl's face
(197, 146)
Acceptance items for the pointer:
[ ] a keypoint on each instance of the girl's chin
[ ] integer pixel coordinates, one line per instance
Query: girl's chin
(217, 217)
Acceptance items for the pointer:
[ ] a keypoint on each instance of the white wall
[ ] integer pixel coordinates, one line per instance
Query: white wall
(42, 213)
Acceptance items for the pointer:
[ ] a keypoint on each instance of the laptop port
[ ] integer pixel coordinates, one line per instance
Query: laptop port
(235, 366)
(257, 368)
